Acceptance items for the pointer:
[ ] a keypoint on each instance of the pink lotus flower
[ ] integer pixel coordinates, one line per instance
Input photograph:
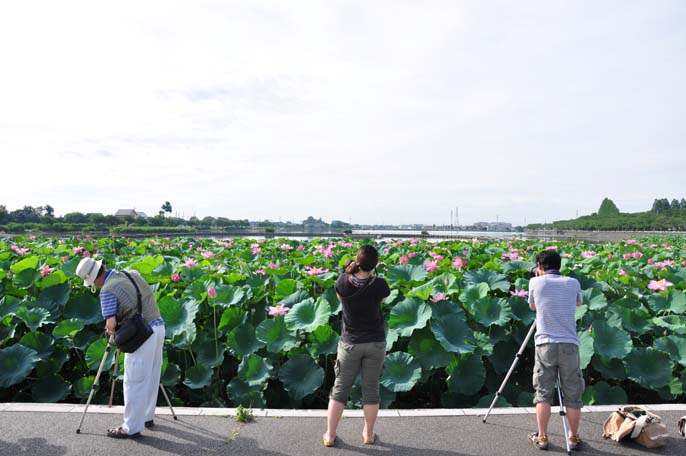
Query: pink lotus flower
(631, 241)
(212, 292)
(651, 260)
(588, 253)
(551, 247)
(21, 251)
(431, 266)
(637, 255)
(659, 285)
(610, 256)
(46, 270)
(190, 262)
(286, 247)
(77, 250)
(207, 254)
(327, 252)
(315, 271)
(86, 253)
(520, 293)
(260, 272)
(566, 255)
(439, 297)
(411, 254)
(459, 263)
(465, 252)
(272, 265)
(622, 272)
(436, 256)
(403, 259)
(627, 256)
(32, 236)
(226, 244)
(300, 248)
(683, 263)
(65, 259)
(512, 256)
(275, 311)
(175, 277)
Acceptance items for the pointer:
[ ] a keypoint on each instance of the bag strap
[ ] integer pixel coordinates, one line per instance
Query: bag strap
(138, 292)
(364, 287)
(640, 424)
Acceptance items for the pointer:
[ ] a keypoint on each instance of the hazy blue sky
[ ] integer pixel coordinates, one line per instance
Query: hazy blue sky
(373, 111)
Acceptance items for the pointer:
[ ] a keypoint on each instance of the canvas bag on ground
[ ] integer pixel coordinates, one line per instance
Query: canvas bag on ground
(682, 426)
(636, 423)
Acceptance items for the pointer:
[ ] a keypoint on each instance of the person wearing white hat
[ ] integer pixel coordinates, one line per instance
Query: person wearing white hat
(142, 368)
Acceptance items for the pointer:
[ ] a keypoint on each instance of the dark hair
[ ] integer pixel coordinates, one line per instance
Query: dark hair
(549, 259)
(102, 270)
(367, 259)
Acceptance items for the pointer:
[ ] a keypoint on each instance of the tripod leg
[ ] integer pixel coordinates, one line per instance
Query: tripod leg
(512, 368)
(95, 382)
(563, 413)
(114, 377)
(164, 392)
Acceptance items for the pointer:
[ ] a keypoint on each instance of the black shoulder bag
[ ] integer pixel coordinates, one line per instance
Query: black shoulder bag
(134, 331)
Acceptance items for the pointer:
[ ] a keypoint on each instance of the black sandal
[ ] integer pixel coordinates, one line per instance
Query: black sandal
(119, 433)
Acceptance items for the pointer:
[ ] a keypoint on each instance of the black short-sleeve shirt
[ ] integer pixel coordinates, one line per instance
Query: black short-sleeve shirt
(362, 318)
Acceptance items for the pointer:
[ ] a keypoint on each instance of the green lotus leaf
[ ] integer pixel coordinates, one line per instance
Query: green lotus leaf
(229, 295)
(595, 299)
(57, 295)
(453, 334)
(53, 365)
(208, 351)
(504, 353)
(43, 344)
(580, 312)
(676, 323)
(50, 389)
(423, 292)
(648, 367)
(401, 372)
(586, 348)
(334, 303)
(67, 328)
(69, 268)
(521, 311)
(609, 341)
(484, 345)
(409, 315)
(241, 341)
(34, 318)
(391, 338)
(195, 290)
(609, 368)
(171, 375)
(425, 348)
(603, 394)
(473, 293)
(95, 354)
(232, 317)
(444, 308)
(277, 337)
(147, 265)
(485, 401)
(406, 273)
(284, 287)
(82, 386)
(178, 316)
(301, 376)
(242, 394)
(494, 280)
(198, 376)
(16, 363)
(194, 274)
(291, 300)
(635, 320)
(254, 370)
(491, 311)
(675, 346)
(28, 262)
(308, 315)
(466, 374)
(55, 278)
(517, 266)
(9, 306)
(323, 341)
(677, 301)
(85, 308)
(26, 278)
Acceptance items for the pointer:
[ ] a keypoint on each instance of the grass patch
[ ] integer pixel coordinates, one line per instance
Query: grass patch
(244, 415)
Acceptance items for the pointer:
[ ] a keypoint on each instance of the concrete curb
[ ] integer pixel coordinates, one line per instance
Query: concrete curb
(320, 413)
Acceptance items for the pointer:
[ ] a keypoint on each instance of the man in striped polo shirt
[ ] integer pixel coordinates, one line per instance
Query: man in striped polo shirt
(142, 368)
(554, 298)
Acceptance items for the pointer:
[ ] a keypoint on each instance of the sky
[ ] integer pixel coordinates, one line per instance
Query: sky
(383, 112)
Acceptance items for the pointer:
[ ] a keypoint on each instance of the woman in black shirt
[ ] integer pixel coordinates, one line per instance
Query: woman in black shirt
(362, 348)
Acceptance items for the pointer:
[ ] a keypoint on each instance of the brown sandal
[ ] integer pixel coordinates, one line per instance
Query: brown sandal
(371, 441)
(119, 433)
(328, 443)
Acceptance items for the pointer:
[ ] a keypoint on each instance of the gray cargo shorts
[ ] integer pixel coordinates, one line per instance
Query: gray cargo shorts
(352, 359)
(550, 358)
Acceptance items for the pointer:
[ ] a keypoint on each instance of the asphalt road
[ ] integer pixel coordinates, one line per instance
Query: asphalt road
(53, 434)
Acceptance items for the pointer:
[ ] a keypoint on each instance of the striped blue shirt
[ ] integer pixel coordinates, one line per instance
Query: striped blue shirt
(109, 304)
(555, 297)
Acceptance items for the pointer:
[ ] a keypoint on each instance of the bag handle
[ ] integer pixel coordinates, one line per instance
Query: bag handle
(138, 292)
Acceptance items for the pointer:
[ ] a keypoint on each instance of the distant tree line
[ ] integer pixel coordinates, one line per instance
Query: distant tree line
(663, 216)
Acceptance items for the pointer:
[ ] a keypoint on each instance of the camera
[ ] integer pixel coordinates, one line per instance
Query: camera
(533, 272)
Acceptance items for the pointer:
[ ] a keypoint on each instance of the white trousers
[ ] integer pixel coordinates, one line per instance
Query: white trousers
(142, 370)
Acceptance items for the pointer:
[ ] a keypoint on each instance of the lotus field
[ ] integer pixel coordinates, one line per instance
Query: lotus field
(257, 322)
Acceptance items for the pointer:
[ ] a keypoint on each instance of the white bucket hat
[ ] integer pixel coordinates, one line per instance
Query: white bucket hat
(88, 270)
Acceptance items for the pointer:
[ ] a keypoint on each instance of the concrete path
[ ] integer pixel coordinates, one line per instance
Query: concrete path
(42, 429)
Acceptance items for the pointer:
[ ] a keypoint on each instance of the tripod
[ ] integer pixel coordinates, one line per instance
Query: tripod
(563, 411)
(95, 385)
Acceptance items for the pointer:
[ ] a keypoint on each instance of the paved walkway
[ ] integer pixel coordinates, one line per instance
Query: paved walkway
(44, 429)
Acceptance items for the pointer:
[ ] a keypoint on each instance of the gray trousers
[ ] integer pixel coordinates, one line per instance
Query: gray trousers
(353, 359)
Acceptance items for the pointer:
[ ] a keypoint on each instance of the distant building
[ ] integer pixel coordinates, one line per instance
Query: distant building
(130, 213)
(499, 226)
